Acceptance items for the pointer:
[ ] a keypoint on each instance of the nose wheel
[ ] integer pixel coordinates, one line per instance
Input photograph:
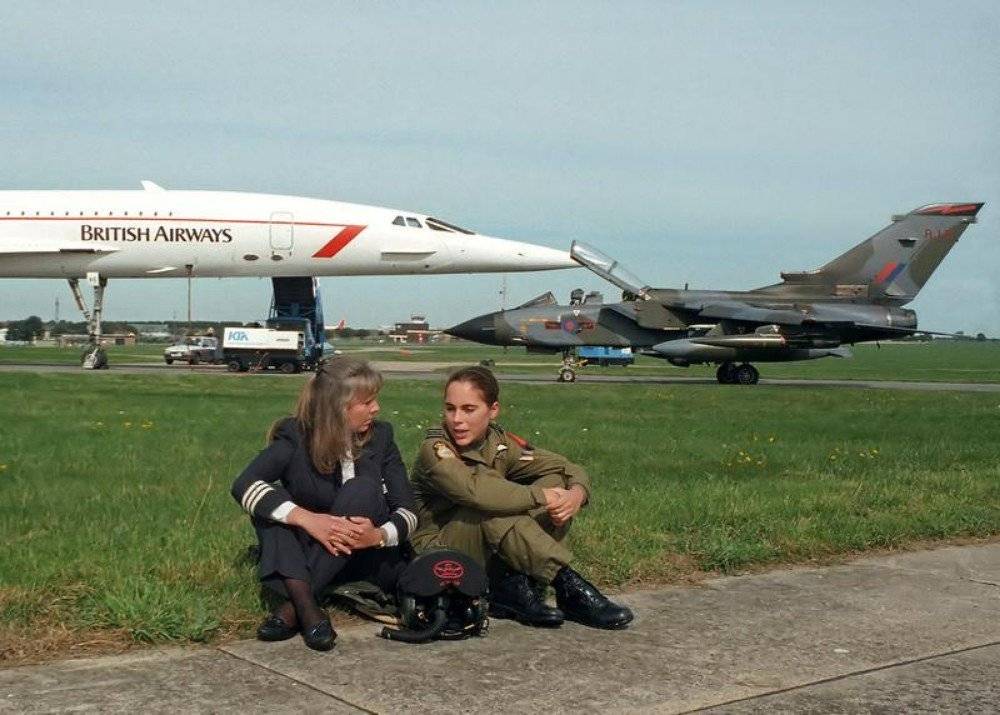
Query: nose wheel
(567, 373)
(731, 374)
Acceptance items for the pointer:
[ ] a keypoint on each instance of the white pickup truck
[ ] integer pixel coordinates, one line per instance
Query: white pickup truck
(193, 351)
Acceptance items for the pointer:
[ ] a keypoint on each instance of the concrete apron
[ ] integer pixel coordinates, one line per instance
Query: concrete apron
(908, 632)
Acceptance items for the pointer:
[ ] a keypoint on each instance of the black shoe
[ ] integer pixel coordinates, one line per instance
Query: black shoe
(275, 629)
(320, 636)
(514, 596)
(582, 602)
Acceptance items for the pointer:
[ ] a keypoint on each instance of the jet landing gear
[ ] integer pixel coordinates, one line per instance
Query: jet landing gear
(731, 374)
(567, 372)
(94, 357)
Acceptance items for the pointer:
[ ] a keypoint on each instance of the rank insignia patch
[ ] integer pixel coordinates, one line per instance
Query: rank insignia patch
(443, 451)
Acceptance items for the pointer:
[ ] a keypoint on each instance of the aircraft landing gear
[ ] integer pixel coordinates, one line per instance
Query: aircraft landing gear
(724, 374)
(94, 357)
(730, 374)
(746, 374)
(567, 373)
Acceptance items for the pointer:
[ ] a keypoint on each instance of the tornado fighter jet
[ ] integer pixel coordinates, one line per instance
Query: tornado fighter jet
(856, 297)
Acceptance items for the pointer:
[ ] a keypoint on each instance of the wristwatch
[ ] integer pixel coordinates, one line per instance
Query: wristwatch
(381, 537)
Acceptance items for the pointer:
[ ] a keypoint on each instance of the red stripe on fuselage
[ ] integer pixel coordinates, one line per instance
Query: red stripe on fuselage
(338, 242)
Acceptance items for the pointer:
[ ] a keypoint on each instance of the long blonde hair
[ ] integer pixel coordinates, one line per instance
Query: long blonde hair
(321, 412)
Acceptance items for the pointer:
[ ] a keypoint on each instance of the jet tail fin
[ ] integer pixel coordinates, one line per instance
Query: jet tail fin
(893, 265)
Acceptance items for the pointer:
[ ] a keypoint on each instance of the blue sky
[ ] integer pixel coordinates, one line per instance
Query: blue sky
(708, 143)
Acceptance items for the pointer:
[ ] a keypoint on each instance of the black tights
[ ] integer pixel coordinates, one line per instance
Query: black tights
(301, 609)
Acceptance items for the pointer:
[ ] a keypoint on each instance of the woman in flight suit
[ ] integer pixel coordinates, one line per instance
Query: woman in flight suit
(485, 491)
(328, 494)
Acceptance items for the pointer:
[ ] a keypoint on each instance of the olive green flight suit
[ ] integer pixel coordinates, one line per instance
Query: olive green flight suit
(489, 498)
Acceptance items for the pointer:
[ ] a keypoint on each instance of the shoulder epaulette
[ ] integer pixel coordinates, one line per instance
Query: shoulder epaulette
(518, 440)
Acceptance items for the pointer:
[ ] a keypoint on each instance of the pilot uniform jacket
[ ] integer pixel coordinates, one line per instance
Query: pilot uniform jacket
(489, 498)
(284, 472)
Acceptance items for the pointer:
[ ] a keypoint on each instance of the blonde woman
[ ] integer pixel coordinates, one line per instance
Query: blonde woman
(328, 495)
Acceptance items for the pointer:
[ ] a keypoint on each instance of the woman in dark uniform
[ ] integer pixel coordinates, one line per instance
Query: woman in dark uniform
(328, 496)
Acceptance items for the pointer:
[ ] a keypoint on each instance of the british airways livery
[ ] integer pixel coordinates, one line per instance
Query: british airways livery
(154, 232)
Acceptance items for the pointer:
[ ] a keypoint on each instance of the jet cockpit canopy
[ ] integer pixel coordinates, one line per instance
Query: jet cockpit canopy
(540, 301)
(609, 269)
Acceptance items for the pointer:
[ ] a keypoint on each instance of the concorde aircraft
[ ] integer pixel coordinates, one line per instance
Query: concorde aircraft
(854, 298)
(156, 233)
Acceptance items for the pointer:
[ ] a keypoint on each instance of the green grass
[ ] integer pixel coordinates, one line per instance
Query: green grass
(51, 355)
(115, 514)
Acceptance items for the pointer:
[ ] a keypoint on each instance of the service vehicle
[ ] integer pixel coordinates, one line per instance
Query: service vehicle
(599, 355)
(194, 350)
(285, 344)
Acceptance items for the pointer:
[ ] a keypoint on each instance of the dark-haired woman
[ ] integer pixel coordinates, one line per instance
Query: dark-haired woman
(487, 492)
(327, 495)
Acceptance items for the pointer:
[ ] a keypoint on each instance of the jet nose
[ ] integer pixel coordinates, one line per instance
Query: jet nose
(480, 330)
(490, 254)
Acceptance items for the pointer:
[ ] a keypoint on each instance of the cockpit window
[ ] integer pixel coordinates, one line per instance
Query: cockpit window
(439, 225)
(413, 222)
(398, 221)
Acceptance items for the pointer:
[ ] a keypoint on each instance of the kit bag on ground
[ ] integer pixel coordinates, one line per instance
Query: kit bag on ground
(441, 594)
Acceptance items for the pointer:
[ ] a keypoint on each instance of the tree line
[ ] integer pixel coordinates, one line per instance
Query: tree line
(33, 328)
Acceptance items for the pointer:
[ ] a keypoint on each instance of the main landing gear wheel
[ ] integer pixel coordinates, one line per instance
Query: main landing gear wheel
(726, 374)
(567, 375)
(746, 374)
(289, 368)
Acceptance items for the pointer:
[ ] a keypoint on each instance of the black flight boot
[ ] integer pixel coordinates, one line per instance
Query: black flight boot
(515, 596)
(582, 602)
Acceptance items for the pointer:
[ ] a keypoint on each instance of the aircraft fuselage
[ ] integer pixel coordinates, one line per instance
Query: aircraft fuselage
(155, 232)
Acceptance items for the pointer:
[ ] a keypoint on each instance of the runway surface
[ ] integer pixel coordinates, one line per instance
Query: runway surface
(434, 371)
(899, 633)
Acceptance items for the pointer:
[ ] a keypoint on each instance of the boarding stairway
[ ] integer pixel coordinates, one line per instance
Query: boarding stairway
(299, 297)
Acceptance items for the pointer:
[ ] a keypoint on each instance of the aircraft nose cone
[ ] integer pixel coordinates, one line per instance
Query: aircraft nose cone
(480, 330)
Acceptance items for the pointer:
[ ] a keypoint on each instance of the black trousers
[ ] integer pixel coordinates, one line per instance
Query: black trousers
(289, 552)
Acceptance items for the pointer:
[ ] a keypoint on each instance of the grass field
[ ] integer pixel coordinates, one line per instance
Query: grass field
(117, 527)
(50, 355)
(940, 361)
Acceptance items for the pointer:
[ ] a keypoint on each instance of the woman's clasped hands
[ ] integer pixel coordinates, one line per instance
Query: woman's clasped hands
(339, 535)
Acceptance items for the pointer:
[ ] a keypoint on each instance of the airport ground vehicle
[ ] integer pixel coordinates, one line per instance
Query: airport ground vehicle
(576, 358)
(286, 344)
(601, 355)
(193, 351)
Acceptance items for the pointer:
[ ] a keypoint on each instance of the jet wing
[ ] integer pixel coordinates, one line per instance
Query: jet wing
(42, 248)
(907, 331)
(736, 310)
